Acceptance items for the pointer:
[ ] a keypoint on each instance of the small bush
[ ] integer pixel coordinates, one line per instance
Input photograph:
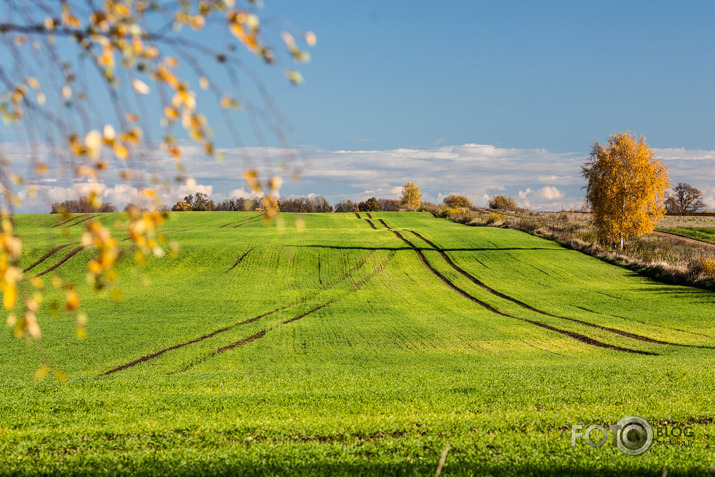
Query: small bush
(449, 213)
(704, 265)
(457, 201)
(502, 202)
(493, 219)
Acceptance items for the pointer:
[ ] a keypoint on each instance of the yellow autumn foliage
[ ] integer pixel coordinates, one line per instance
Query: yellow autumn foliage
(626, 187)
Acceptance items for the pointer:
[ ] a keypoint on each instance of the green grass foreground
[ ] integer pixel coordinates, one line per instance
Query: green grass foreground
(330, 344)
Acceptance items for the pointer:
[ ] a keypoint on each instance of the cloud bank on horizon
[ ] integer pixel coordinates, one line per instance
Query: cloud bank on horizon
(537, 178)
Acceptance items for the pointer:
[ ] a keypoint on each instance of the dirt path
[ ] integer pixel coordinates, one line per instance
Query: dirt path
(688, 240)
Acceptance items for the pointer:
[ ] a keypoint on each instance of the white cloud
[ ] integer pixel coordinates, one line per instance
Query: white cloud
(119, 194)
(550, 193)
(240, 193)
(539, 178)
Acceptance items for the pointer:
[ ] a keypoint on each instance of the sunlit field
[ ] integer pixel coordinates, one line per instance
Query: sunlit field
(355, 343)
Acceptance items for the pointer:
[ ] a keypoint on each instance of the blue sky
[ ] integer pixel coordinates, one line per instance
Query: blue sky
(485, 97)
(526, 74)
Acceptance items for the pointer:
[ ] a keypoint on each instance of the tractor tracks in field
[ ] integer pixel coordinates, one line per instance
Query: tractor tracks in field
(356, 286)
(571, 334)
(669, 328)
(262, 333)
(85, 219)
(246, 219)
(240, 259)
(82, 217)
(47, 255)
(69, 255)
(156, 354)
(485, 287)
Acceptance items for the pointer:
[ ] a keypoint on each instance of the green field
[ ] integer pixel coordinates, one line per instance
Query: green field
(704, 234)
(331, 344)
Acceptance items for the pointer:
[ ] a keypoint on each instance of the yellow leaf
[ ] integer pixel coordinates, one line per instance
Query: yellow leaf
(72, 301)
(120, 150)
(42, 371)
(9, 297)
(294, 76)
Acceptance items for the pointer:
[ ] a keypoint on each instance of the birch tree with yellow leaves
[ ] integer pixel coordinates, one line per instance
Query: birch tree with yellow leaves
(96, 87)
(626, 188)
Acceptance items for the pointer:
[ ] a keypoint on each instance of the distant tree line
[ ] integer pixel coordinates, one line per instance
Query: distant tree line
(411, 199)
(80, 206)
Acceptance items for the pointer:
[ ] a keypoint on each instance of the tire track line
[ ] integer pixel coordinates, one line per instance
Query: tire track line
(357, 215)
(48, 255)
(187, 343)
(240, 259)
(68, 220)
(371, 224)
(242, 220)
(263, 332)
(245, 341)
(644, 322)
(79, 222)
(368, 215)
(482, 285)
(576, 336)
(63, 260)
(320, 278)
(248, 221)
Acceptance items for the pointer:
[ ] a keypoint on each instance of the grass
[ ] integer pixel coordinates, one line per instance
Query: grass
(365, 359)
(704, 234)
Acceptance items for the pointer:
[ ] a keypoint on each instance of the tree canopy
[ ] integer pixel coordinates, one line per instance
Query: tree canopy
(684, 199)
(626, 187)
(457, 201)
(370, 205)
(411, 196)
(502, 202)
